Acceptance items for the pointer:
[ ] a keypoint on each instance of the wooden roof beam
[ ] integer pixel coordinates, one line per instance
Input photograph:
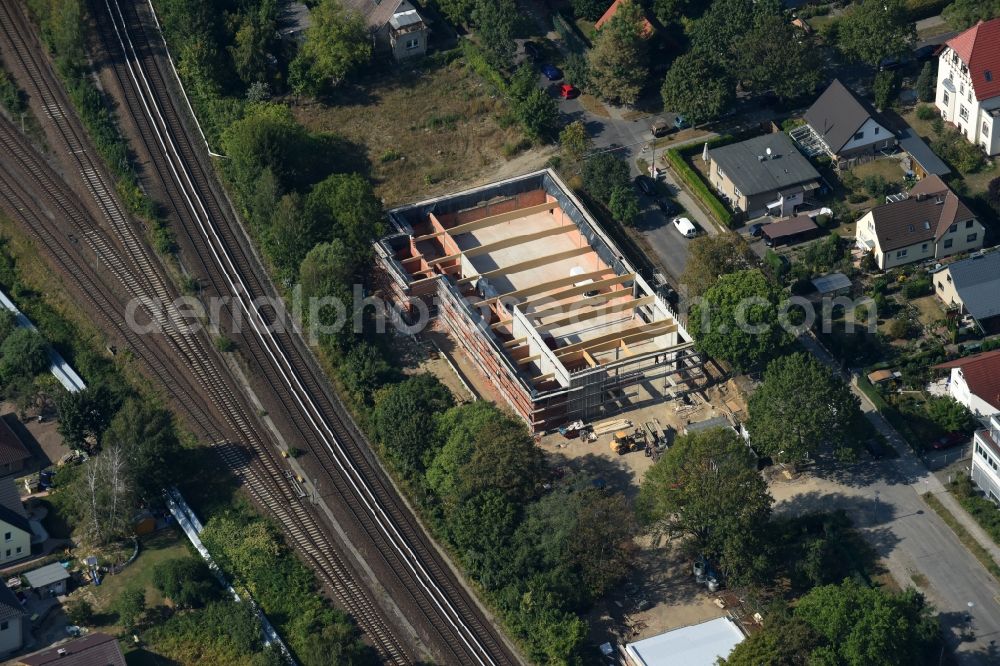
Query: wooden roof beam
(529, 359)
(665, 326)
(490, 221)
(511, 241)
(583, 288)
(616, 343)
(576, 315)
(531, 263)
(587, 302)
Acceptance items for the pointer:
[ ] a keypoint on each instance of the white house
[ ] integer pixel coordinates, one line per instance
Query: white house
(986, 459)
(975, 382)
(931, 222)
(968, 85)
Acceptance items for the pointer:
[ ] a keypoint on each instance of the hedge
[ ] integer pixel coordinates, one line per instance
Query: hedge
(699, 188)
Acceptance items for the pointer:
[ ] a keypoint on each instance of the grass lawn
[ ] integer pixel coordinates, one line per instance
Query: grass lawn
(929, 309)
(154, 550)
(424, 129)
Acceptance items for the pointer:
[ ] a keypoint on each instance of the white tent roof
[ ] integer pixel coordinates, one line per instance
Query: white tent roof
(696, 645)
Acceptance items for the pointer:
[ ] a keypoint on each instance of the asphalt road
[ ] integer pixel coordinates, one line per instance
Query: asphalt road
(884, 500)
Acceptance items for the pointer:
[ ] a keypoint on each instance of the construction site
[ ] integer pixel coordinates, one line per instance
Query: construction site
(531, 289)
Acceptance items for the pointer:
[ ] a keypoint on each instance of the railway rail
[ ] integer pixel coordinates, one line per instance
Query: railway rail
(412, 570)
(27, 184)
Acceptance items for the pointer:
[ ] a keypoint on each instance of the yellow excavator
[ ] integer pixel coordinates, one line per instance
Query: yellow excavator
(625, 442)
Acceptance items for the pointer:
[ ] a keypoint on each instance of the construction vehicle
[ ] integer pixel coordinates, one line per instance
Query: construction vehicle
(625, 442)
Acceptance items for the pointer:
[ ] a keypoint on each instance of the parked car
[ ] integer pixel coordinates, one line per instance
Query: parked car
(685, 227)
(661, 127)
(756, 230)
(644, 184)
(568, 91)
(551, 72)
(532, 51)
(950, 440)
(667, 206)
(680, 122)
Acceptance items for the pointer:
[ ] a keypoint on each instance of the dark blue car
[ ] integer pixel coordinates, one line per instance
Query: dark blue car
(551, 72)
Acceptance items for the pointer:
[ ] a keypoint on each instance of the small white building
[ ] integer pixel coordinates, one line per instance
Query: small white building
(986, 459)
(695, 645)
(968, 84)
(975, 382)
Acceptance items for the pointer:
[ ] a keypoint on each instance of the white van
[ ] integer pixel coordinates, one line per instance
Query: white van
(686, 227)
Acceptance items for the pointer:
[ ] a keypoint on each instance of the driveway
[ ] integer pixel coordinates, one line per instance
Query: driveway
(919, 549)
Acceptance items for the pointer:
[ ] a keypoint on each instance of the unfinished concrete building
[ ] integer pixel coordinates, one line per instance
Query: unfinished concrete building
(536, 294)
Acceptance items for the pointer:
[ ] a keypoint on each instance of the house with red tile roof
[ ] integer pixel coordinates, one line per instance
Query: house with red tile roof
(968, 85)
(975, 381)
(647, 27)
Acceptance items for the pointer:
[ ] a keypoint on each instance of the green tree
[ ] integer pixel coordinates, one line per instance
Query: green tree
(726, 22)
(504, 459)
(251, 47)
(574, 141)
(786, 641)
(538, 114)
(617, 65)
(147, 436)
(884, 89)
(993, 194)
(496, 21)
(800, 406)
(668, 11)
(336, 44)
(86, 414)
(710, 257)
(926, 85)
(458, 12)
(950, 415)
(624, 205)
(737, 320)
(131, 606)
(344, 207)
(403, 420)
(326, 275)
(872, 30)
(364, 370)
(602, 174)
(23, 355)
(707, 488)
(962, 14)
(576, 69)
(458, 429)
(8, 323)
(774, 55)
(863, 626)
(697, 88)
(291, 234)
(589, 9)
(186, 581)
(268, 138)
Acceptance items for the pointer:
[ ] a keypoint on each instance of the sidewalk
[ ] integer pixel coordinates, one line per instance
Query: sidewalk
(913, 470)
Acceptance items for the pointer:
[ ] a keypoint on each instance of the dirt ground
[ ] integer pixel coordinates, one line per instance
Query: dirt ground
(42, 439)
(426, 130)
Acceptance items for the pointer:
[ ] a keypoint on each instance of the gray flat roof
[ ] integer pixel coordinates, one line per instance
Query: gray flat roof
(977, 280)
(742, 164)
(696, 645)
(50, 573)
(826, 284)
(922, 153)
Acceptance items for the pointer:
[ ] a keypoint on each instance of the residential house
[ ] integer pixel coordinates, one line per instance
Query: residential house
(11, 622)
(97, 649)
(766, 175)
(701, 644)
(973, 286)
(930, 222)
(13, 453)
(968, 84)
(647, 28)
(974, 381)
(48, 581)
(986, 459)
(15, 529)
(395, 26)
(847, 126)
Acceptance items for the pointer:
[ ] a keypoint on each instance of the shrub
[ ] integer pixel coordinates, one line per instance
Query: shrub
(918, 287)
(926, 112)
(80, 612)
(898, 328)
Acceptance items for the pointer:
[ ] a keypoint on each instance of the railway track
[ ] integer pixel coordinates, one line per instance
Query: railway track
(357, 489)
(138, 275)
